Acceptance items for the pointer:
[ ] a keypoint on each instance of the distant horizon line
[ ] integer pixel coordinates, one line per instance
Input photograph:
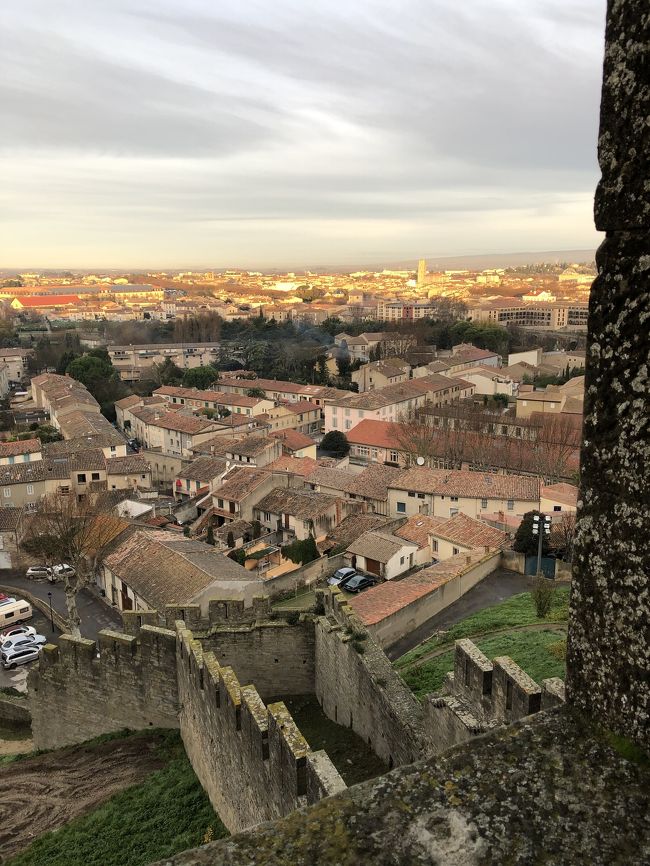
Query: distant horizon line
(402, 264)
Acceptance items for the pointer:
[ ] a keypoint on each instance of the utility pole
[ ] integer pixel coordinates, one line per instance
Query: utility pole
(541, 527)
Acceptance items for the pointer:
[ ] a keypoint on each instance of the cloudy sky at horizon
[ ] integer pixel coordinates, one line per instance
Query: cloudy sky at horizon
(182, 133)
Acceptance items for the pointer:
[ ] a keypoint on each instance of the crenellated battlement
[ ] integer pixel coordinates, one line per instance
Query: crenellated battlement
(220, 612)
(481, 694)
(251, 758)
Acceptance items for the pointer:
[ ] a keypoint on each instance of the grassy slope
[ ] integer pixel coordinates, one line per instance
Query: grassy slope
(515, 611)
(166, 813)
(534, 651)
(539, 653)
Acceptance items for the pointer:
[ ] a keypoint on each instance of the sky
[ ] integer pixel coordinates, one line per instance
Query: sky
(293, 133)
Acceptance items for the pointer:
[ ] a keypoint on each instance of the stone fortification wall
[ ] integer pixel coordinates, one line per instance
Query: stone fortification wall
(358, 688)
(74, 695)
(251, 759)
(480, 695)
(277, 657)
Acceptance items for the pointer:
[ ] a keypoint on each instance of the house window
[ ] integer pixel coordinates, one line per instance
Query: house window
(453, 511)
(81, 477)
(483, 503)
(220, 503)
(420, 495)
(113, 449)
(455, 550)
(30, 489)
(95, 476)
(393, 456)
(412, 493)
(434, 545)
(7, 492)
(401, 560)
(511, 505)
(401, 507)
(454, 498)
(557, 508)
(12, 460)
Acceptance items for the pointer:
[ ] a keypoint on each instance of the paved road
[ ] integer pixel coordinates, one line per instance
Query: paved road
(496, 587)
(95, 614)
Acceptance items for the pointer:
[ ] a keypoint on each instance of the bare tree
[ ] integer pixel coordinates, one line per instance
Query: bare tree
(563, 532)
(64, 530)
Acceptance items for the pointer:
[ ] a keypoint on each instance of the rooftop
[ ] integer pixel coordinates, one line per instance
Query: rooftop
(21, 446)
(302, 504)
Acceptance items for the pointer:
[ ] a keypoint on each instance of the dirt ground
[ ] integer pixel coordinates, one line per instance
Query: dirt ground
(44, 792)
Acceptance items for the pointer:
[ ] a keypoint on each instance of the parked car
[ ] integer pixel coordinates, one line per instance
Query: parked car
(359, 582)
(15, 630)
(20, 641)
(62, 570)
(14, 657)
(39, 571)
(340, 576)
(6, 599)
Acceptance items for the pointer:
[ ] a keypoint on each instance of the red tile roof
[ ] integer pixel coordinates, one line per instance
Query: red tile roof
(48, 300)
(292, 440)
(22, 446)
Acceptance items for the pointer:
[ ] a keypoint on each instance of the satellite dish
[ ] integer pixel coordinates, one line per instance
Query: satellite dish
(420, 461)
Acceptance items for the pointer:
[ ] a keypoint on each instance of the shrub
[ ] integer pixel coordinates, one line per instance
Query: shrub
(542, 595)
(336, 443)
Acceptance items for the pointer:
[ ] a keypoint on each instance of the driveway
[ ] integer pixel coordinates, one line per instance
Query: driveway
(496, 587)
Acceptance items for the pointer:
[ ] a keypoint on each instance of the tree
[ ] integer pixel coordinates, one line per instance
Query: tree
(301, 552)
(336, 443)
(343, 364)
(200, 377)
(525, 541)
(64, 361)
(563, 533)
(260, 393)
(66, 530)
(95, 371)
(167, 373)
(210, 535)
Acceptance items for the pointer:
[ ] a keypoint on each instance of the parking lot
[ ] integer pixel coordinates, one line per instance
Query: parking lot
(18, 677)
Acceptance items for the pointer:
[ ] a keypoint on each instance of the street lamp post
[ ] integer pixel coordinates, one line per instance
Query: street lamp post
(541, 527)
(49, 596)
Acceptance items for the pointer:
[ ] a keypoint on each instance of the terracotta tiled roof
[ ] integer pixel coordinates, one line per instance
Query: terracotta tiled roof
(418, 527)
(304, 504)
(476, 485)
(239, 482)
(567, 494)
(464, 530)
(303, 466)
(379, 545)
(379, 602)
(165, 569)
(22, 446)
(204, 469)
(292, 440)
(130, 465)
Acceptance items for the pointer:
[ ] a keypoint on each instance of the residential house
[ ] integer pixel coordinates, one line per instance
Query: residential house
(558, 499)
(369, 486)
(204, 473)
(137, 362)
(465, 355)
(381, 344)
(60, 395)
(241, 489)
(21, 451)
(378, 374)
(489, 380)
(216, 401)
(443, 493)
(300, 513)
(307, 416)
(17, 361)
(152, 569)
(382, 554)
(462, 534)
(394, 402)
(175, 434)
(567, 398)
(295, 443)
(253, 449)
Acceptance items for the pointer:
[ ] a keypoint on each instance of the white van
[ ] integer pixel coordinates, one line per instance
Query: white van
(14, 612)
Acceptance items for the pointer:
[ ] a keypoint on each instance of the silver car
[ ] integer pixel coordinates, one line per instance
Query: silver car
(19, 641)
(341, 576)
(11, 658)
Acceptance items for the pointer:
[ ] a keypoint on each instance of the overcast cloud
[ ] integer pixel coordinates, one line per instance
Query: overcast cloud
(293, 133)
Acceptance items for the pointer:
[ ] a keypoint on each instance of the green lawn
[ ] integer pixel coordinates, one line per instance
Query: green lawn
(515, 611)
(166, 813)
(539, 653)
